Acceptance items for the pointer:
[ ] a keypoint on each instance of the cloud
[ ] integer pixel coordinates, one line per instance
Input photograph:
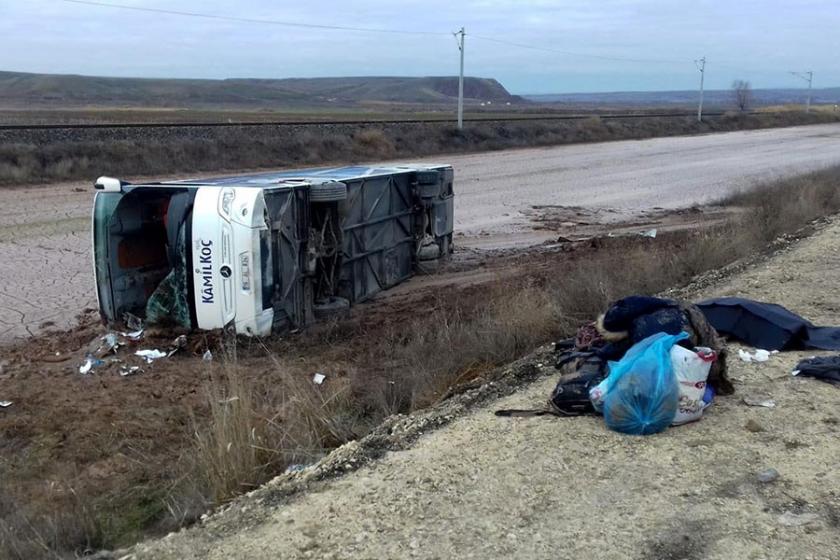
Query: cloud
(741, 40)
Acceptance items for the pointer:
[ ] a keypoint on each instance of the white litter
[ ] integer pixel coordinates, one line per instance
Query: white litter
(85, 368)
(758, 356)
(208, 356)
(764, 402)
(318, 378)
(5, 404)
(150, 355)
(126, 371)
(135, 335)
(761, 355)
(649, 233)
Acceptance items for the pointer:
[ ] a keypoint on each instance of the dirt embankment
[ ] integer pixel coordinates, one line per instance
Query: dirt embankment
(32, 155)
(485, 487)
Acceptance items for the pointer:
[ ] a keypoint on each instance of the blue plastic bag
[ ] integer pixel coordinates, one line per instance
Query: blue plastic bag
(641, 393)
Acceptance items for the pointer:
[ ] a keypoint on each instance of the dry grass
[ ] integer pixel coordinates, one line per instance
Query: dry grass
(67, 524)
(238, 148)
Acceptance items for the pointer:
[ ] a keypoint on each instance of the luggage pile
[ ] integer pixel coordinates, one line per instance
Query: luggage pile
(645, 364)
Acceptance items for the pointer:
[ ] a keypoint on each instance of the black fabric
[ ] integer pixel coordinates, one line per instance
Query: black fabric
(826, 368)
(767, 325)
(570, 396)
(670, 320)
(621, 315)
(614, 351)
(643, 316)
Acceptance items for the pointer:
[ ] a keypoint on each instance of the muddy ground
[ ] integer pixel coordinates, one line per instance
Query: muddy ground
(487, 487)
(45, 258)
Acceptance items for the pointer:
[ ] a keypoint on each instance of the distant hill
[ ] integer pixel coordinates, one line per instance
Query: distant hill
(711, 98)
(19, 89)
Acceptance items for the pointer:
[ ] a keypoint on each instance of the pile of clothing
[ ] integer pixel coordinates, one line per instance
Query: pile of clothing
(646, 363)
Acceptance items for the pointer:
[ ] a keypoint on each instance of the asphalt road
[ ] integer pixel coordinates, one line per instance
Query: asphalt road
(495, 191)
(44, 230)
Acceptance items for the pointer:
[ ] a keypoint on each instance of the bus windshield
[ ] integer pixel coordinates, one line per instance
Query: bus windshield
(142, 262)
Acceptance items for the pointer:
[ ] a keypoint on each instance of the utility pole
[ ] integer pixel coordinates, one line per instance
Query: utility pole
(808, 77)
(701, 65)
(459, 37)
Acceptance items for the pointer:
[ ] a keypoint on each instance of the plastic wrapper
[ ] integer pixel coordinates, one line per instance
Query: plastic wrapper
(640, 396)
(691, 368)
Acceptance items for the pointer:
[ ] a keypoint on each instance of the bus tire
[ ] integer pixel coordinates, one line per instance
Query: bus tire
(328, 192)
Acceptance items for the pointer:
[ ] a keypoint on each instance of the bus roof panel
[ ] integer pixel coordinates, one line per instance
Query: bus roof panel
(346, 173)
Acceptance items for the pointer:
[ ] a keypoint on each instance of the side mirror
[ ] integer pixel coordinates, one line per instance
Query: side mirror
(109, 184)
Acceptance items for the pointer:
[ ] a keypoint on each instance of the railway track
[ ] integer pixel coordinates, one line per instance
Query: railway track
(347, 122)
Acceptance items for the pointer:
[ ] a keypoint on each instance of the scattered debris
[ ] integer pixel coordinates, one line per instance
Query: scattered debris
(790, 519)
(756, 400)
(824, 368)
(208, 356)
(112, 342)
(319, 378)
(178, 344)
(125, 371)
(649, 233)
(151, 355)
(90, 363)
(134, 335)
(133, 322)
(768, 475)
(5, 404)
(297, 467)
(759, 355)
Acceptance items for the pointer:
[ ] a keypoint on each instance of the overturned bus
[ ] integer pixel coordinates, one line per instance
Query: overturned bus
(265, 252)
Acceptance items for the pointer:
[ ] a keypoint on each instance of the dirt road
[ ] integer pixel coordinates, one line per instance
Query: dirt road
(44, 231)
(488, 487)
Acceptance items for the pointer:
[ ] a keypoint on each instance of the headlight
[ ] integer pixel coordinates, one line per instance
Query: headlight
(245, 271)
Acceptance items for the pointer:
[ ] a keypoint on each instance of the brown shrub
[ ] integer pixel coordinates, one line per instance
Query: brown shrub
(240, 147)
(373, 143)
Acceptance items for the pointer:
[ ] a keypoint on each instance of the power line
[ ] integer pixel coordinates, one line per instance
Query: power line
(253, 20)
(580, 54)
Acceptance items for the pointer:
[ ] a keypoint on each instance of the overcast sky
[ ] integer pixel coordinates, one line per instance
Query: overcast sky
(757, 40)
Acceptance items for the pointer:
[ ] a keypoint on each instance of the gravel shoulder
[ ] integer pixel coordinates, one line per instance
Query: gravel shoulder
(488, 487)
